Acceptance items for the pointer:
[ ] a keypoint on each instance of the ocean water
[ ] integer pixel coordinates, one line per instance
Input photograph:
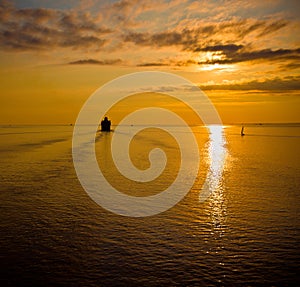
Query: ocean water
(246, 233)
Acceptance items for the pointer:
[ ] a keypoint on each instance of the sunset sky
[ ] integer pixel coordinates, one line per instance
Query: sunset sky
(243, 54)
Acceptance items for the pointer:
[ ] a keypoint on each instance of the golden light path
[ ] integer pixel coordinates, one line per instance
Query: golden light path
(216, 156)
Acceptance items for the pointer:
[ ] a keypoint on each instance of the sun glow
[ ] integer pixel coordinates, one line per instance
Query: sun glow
(208, 61)
(210, 67)
(217, 67)
(211, 57)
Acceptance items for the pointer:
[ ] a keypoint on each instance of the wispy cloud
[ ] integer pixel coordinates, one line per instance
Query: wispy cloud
(277, 84)
(97, 62)
(288, 83)
(195, 35)
(153, 64)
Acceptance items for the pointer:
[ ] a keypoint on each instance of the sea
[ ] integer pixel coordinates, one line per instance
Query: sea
(246, 232)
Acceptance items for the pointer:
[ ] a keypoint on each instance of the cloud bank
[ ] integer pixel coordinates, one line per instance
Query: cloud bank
(45, 29)
(158, 34)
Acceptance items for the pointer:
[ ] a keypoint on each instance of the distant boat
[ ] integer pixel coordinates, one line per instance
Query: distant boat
(242, 131)
(105, 125)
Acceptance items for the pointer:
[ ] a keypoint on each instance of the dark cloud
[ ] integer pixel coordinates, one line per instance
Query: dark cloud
(37, 29)
(272, 28)
(169, 62)
(193, 39)
(237, 54)
(229, 48)
(153, 64)
(290, 66)
(276, 84)
(97, 62)
(231, 54)
(159, 39)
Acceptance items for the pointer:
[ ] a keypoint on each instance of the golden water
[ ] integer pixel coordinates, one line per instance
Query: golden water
(244, 234)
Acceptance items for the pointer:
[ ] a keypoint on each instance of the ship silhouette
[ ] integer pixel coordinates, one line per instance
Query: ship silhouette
(105, 125)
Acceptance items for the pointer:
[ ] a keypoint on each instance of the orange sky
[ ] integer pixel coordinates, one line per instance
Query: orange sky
(243, 54)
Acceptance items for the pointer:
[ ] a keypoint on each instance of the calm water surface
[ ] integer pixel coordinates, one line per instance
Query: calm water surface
(245, 234)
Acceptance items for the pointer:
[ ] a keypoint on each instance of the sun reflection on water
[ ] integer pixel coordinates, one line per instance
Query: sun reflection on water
(216, 157)
(214, 190)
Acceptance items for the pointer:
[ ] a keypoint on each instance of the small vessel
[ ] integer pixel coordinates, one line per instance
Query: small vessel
(105, 125)
(242, 131)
